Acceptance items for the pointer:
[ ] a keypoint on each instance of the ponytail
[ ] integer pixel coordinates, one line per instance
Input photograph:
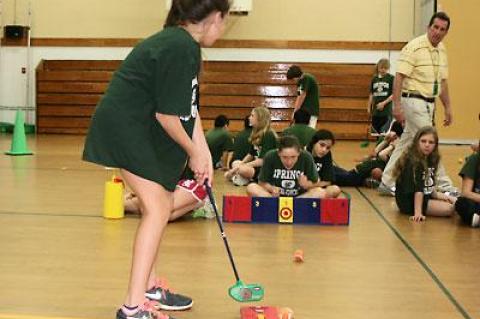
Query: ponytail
(194, 11)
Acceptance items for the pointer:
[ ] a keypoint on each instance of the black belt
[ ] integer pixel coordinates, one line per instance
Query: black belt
(418, 96)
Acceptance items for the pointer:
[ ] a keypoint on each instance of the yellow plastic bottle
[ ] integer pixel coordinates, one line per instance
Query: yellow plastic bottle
(113, 201)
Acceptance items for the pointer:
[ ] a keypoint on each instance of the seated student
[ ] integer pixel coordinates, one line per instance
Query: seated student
(369, 171)
(468, 204)
(241, 145)
(262, 139)
(220, 142)
(300, 128)
(320, 147)
(415, 174)
(188, 196)
(288, 171)
(384, 140)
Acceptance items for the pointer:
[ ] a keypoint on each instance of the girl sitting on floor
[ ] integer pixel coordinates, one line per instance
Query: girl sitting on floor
(288, 171)
(262, 139)
(468, 205)
(369, 171)
(320, 147)
(415, 174)
(187, 197)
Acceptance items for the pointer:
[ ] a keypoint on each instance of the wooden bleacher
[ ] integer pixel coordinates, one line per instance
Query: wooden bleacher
(67, 92)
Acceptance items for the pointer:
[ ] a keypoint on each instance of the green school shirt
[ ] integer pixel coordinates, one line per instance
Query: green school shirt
(241, 145)
(219, 141)
(324, 167)
(381, 88)
(274, 173)
(471, 169)
(160, 75)
(410, 182)
(303, 132)
(308, 83)
(268, 142)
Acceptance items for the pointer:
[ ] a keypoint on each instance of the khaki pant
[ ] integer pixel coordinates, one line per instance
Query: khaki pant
(313, 121)
(418, 113)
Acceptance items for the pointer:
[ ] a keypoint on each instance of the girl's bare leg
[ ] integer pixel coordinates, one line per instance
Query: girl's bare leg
(183, 202)
(255, 190)
(332, 191)
(316, 192)
(157, 205)
(439, 208)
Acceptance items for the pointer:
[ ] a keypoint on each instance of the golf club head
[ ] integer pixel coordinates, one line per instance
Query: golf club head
(246, 292)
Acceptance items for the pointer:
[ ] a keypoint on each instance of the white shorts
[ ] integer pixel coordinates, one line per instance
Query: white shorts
(191, 186)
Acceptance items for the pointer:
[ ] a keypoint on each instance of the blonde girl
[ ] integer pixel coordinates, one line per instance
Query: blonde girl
(262, 139)
(380, 98)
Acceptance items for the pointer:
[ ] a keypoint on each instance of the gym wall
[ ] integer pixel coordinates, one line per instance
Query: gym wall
(347, 20)
(309, 20)
(463, 55)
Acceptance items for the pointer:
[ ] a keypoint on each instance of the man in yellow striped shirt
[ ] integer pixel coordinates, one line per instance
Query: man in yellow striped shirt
(421, 76)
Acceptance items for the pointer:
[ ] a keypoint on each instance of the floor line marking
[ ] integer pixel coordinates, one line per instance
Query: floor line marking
(424, 265)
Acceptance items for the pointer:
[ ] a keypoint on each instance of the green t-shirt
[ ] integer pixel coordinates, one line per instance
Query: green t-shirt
(324, 167)
(241, 145)
(219, 141)
(410, 182)
(308, 83)
(268, 142)
(381, 88)
(160, 75)
(471, 169)
(303, 132)
(274, 173)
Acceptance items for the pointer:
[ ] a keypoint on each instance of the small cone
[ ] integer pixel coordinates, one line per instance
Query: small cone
(19, 140)
(298, 256)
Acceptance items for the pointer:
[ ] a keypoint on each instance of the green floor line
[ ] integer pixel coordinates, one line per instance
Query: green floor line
(66, 168)
(417, 257)
(23, 316)
(48, 215)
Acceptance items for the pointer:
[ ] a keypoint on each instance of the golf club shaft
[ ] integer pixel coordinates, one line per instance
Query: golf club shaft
(220, 225)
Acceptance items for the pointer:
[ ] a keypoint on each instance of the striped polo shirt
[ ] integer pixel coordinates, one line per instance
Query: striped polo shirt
(422, 64)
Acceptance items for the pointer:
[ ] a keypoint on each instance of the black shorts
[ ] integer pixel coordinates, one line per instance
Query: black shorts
(466, 208)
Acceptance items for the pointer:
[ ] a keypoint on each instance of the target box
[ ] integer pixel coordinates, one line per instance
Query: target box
(307, 211)
(286, 210)
(335, 211)
(237, 209)
(264, 209)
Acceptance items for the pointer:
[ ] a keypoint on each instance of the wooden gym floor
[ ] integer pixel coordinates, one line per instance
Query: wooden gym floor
(60, 259)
